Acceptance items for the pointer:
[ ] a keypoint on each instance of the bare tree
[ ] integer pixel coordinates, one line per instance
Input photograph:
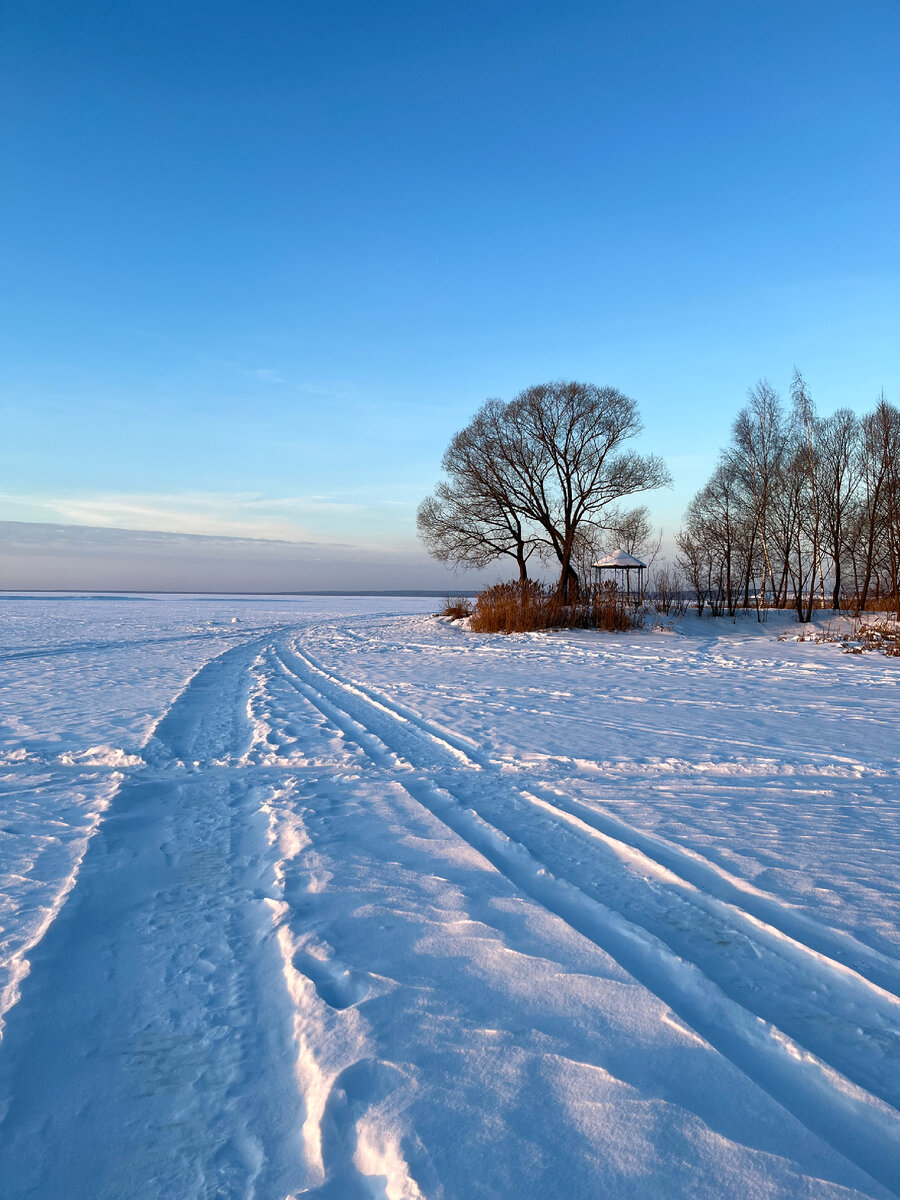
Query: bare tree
(472, 520)
(881, 508)
(757, 455)
(878, 450)
(563, 451)
(890, 417)
(468, 530)
(630, 530)
(808, 430)
(667, 590)
(794, 505)
(718, 542)
(784, 525)
(839, 464)
(547, 468)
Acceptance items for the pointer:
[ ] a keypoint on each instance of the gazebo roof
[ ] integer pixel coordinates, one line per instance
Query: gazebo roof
(619, 559)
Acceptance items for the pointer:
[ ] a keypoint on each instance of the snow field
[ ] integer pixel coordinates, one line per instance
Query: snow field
(380, 907)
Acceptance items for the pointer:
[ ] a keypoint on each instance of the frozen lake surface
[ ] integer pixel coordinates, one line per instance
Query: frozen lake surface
(328, 898)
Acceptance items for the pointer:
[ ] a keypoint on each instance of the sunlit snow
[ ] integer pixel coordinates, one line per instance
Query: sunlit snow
(332, 898)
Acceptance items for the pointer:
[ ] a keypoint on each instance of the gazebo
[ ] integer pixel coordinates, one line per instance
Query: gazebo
(618, 568)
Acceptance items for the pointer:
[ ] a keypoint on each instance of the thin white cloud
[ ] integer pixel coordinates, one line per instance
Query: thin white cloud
(304, 504)
(119, 512)
(275, 376)
(210, 514)
(265, 375)
(309, 519)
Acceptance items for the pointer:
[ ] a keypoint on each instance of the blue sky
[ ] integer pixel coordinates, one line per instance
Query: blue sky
(260, 261)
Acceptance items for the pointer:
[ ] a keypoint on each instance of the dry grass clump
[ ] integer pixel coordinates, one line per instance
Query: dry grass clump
(878, 635)
(608, 609)
(456, 607)
(863, 637)
(516, 608)
(521, 607)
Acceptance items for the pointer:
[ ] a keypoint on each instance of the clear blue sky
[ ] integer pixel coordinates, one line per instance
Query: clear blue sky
(260, 260)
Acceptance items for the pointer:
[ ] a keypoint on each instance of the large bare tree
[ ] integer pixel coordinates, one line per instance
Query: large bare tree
(570, 463)
(551, 462)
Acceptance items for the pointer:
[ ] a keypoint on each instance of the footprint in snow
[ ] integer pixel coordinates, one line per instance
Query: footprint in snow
(334, 984)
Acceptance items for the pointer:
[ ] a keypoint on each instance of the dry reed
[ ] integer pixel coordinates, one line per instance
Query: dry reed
(456, 607)
(522, 607)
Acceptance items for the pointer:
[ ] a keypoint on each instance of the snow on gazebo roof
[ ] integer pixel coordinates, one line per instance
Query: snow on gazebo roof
(620, 559)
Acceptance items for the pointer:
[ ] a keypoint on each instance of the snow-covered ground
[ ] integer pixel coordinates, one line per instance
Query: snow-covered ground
(307, 897)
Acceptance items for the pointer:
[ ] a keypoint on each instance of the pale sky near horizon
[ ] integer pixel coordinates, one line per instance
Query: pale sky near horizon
(260, 261)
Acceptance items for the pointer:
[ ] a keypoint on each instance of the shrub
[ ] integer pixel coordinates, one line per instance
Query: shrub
(524, 606)
(456, 607)
(515, 607)
(879, 635)
(609, 610)
(862, 637)
(667, 591)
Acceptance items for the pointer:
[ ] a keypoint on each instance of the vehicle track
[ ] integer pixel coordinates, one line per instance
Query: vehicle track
(219, 633)
(136, 1048)
(814, 1032)
(744, 899)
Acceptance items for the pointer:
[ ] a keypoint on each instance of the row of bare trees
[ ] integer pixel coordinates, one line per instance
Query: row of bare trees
(542, 475)
(801, 510)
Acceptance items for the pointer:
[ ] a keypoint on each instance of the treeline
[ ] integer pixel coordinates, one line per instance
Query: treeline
(801, 511)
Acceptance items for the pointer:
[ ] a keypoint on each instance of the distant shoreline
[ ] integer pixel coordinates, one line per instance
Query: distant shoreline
(99, 593)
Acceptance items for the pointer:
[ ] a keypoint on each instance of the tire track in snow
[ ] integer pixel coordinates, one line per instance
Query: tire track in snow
(218, 633)
(149, 1017)
(352, 1147)
(106, 789)
(652, 854)
(848, 1115)
(18, 965)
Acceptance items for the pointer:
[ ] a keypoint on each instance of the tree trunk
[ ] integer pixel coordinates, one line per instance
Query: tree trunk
(836, 596)
(567, 589)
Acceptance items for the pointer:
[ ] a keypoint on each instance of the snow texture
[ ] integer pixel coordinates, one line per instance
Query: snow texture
(335, 899)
